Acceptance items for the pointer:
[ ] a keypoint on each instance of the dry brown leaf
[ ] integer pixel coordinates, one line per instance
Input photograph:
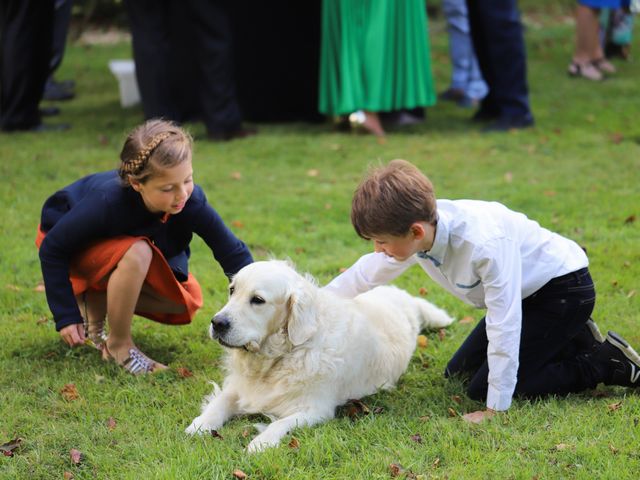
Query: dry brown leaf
(245, 433)
(467, 319)
(451, 412)
(423, 291)
(422, 341)
(616, 137)
(294, 443)
(630, 219)
(313, 172)
(236, 175)
(111, 424)
(436, 463)
(184, 372)
(39, 287)
(8, 448)
(613, 449)
(67, 476)
(424, 418)
(69, 392)
(328, 206)
(508, 177)
(342, 269)
(549, 193)
(76, 456)
(239, 474)
(395, 469)
(631, 293)
(215, 434)
(416, 438)
(42, 320)
(237, 224)
(13, 288)
(612, 407)
(457, 399)
(441, 334)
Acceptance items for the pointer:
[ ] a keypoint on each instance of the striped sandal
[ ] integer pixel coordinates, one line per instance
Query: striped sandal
(137, 363)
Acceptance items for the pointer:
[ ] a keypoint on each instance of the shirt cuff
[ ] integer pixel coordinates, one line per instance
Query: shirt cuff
(498, 400)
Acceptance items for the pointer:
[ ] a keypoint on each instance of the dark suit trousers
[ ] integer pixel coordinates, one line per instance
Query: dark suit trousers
(26, 29)
(498, 40)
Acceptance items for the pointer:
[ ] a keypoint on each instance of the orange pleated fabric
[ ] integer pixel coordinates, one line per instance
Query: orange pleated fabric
(89, 269)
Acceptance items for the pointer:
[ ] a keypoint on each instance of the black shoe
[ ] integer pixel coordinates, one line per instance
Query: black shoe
(57, 92)
(226, 136)
(621, 362)
(505, 124)
(485, 115)
(589, 338)
(49, 111)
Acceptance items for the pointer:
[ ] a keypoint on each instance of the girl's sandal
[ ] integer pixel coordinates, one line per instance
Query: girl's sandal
(137, 363)
(604, 65)
(584, 70)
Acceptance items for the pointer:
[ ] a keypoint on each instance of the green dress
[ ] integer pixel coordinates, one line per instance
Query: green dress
(374, 56)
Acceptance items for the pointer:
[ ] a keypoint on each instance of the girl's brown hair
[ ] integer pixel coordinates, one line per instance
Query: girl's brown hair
(391, 199)
(154, 145)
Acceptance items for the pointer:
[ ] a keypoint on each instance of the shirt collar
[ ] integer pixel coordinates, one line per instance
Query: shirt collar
(439, 248)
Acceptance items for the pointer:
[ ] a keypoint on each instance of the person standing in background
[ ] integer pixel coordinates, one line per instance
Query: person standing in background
(374, 57)
(467, 86)
(498, 40)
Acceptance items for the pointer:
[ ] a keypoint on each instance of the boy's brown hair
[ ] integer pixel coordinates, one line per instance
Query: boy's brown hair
(154, 145)
(390, 199)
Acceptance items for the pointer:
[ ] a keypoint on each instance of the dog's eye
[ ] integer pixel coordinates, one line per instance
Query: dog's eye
(256, 300)
(231, 290)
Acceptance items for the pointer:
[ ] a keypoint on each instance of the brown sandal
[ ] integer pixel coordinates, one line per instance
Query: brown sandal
(137, 363)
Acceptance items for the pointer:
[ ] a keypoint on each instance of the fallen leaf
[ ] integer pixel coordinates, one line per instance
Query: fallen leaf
(630, 219)
(215, 434)
(13, 288)
(612, 407)
(39, 287)
(424, 418)
(313, 172)
(237, 224)
(328, 206)
(8, 448)
(436, 463)
(42, 320)
(111, 424)
(631, 293)
(467, 319)
(294, 443)
(69, 392)
(441, 334)
(549, 193)
(67, 476)
(616, 137)
(508, 177)
(236, 175)
(563, 446)
(239, 474)
(423, 291)
(342, 269)
(76, 456)
(395, 469)
(422, 341)
(416, 438)
(356, 408)
(451, 412)
(457, 399)
(245, 433)
(613, 449)
(590, 118)
(184, 372)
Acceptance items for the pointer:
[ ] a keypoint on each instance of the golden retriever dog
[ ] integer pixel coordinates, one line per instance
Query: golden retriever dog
(296, 352)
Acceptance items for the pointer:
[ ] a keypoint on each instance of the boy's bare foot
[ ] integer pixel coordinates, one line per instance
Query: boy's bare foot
(129, 357)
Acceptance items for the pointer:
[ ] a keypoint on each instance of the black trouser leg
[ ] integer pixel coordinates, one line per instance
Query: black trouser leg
(26, 29)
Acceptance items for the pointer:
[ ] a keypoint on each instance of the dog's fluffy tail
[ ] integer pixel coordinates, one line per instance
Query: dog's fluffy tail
(432, 317)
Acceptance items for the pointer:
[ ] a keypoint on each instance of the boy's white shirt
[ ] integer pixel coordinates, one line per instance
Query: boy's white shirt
(489, 257)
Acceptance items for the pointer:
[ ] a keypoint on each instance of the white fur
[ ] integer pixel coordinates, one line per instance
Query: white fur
(305, 351)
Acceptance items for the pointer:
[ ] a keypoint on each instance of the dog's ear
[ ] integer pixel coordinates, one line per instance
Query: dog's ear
(302, 322)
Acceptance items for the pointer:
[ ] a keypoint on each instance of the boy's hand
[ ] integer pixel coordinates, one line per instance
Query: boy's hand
(478, 416)
(73, 335)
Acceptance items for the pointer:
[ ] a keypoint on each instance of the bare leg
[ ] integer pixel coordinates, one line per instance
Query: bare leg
(372, 124)
(93, 308)
(588, 46)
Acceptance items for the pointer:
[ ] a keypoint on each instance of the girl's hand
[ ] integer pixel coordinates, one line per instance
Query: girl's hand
(479, 416)
(73, 335)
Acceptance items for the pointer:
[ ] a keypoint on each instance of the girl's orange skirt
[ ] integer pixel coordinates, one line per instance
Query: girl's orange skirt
(89, 270)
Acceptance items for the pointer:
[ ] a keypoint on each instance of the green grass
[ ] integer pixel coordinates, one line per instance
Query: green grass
(576, 172)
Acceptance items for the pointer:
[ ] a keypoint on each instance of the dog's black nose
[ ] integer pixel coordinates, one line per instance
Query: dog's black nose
(220, 324)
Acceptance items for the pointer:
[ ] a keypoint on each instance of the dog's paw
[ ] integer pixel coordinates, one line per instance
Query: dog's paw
(199, 427)
(257, 445)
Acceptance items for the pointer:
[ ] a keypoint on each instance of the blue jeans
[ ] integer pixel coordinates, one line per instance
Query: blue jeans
(465, 72)
(554, 343)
